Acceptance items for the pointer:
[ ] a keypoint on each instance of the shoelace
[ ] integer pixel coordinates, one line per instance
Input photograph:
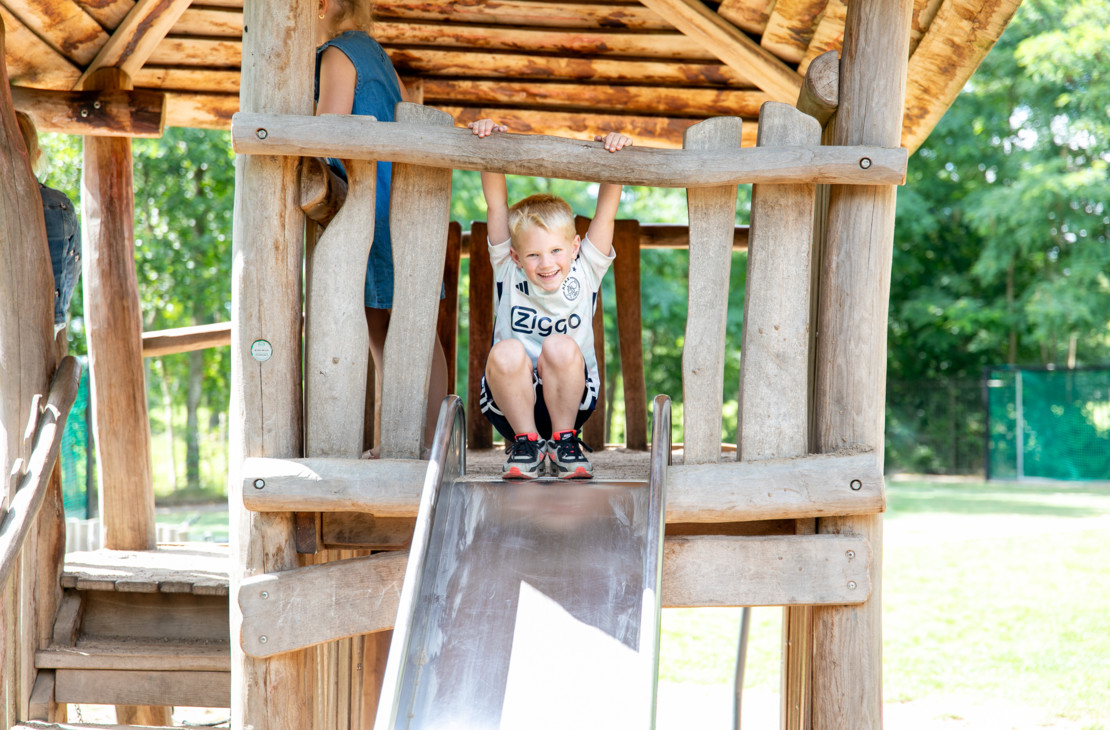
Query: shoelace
(572, 448)
(520, 448)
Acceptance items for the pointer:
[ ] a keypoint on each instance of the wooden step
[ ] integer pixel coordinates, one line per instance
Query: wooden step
(31, 725)
(137, 655)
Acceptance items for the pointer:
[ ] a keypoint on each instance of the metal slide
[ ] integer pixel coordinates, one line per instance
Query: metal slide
(530, 604)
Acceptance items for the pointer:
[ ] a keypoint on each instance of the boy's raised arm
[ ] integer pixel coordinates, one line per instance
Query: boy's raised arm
(608, 199)
(494, 188)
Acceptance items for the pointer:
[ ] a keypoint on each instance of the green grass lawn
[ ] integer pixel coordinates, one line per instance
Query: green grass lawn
(998, 592)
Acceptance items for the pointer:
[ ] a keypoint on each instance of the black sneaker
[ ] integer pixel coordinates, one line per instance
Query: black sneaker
(567, 459)
(525, 458)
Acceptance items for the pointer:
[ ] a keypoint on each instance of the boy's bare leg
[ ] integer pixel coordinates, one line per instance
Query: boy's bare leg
(377, 325)
(509, 376)
(562, 371)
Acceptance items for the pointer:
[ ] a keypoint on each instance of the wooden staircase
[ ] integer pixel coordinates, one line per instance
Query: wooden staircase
(139, 628)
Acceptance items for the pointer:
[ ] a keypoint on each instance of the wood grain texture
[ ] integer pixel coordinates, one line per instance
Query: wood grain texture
(626, 286)
(479, 432)
(628, 16)
(388, 487)
(774, 377)
(712, 214)
(31, 61)
(184, 689)
(419, 213)
(352, 137)
(447, 322)
(265, 415)
(337, 343)
(64, 25)
(113, 326)
(186, 339)
(790, 27)
(133, 113)
(136, 37)
(821, 89)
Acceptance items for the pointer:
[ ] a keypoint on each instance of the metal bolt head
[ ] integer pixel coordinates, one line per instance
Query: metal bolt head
(84, 113)
(856, 485)
(851, 554)
(262, 134)
(259, 483)
(262, 639)
(96, 105)
(264, 594)
(865, 162)
(851, 587)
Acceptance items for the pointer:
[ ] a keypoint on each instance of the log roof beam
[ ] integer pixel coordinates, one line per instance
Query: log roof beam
(133, 42)
(63, 25)
(120, 113)
(31, 60)
(731, 46)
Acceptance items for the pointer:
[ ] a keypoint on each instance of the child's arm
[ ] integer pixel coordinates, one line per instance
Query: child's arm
(494, 189)
(600, 232)
(337, 83)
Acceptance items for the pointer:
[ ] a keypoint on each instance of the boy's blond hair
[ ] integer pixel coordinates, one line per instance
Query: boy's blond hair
(543, 210)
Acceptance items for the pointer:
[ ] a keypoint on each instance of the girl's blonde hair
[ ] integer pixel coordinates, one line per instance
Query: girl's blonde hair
(355, 14)
(31, 139)
(542, 210)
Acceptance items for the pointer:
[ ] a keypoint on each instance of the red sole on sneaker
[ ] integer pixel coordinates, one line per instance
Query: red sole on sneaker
(515, 473)
(578, 473)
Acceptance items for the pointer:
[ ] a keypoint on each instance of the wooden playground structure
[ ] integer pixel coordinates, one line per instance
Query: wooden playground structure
(793, 520)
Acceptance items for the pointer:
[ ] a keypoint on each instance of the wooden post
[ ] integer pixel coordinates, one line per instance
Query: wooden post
(712, 222)
(630, 335)
(774, 367)
(266, 345)
(113, 323)
(479, 434)
(418, 217)
(593, 432)
(447, 326)
(851, 346)
(26, 366)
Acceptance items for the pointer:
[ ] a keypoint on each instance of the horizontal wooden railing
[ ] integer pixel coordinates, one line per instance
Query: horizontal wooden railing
(186, 339)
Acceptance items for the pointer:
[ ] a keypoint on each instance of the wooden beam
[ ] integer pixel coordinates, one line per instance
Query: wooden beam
(582, 42)
(31, 61)
(185, 78)
(525, 13)
(790, 27)
(940, 67)
(202, 52)
(807, 486)
(300, 608)
(731, 45)
(821, 90)
(200, 111)
(664, 101)
(748, 15)
(829, 35)
(64, 25)
(209, 21)
(351, 137)
(121, 687)
(133, 42)
(119, 113)
(186, 339)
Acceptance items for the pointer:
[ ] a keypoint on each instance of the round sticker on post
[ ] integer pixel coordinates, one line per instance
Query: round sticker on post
(261, 350)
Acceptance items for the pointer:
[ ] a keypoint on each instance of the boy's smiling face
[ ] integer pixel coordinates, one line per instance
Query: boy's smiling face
(544, 256)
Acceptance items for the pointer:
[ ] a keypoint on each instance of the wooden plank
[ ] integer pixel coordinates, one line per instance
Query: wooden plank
(135, 39)
(712, 213)
(821, 90)
(351, 137)
(731, 45)
(200, 111)
(183, 78)
(337, 343)
(629, 16)
(580, 42)
(790, 27)
(660, 235)
(64, 25)
(829, 35)
(774, 373)
(113, 325)
(626, 282)
(924, 11)
(299, 608)
(217, 53)
(153, 617)
(366, 532)
(593, 431)
(208, 21)
(419, 250)
(204, 567)
(959, 38)
(150, 656)
(42, 706)
(47, 725)
(766, 571)
(595, 98)
(31, 62)
(186, 339)
(851, 350)
(323, 192)
(94, 113)
(67, 623)
(182, 689)
(265, 415)
(459, 62)
(109, 13)
(479, 432)
(749, 15)
(808, 486)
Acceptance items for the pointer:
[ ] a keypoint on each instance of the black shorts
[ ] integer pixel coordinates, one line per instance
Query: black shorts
(543, 418)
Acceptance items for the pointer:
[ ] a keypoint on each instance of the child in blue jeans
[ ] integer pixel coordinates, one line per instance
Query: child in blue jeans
(541, 381)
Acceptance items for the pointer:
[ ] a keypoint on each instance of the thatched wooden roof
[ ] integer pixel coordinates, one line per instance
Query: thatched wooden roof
(650, 68)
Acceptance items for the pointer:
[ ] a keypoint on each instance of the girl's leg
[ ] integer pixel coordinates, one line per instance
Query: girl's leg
(562, 371)
(509, 377)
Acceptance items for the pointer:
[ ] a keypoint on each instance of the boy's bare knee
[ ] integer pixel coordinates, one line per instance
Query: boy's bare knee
(560, 352)
(508, 356)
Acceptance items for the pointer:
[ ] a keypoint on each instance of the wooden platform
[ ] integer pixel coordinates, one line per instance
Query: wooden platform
(197, 568)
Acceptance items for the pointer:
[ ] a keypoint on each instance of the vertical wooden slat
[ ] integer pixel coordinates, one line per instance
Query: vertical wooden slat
(113, 323)
(626, 280)
(479, 433)
(448, 323)
(593, 432)
(712, 225)
(266, 413)
(418, 216)
(851, 347)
